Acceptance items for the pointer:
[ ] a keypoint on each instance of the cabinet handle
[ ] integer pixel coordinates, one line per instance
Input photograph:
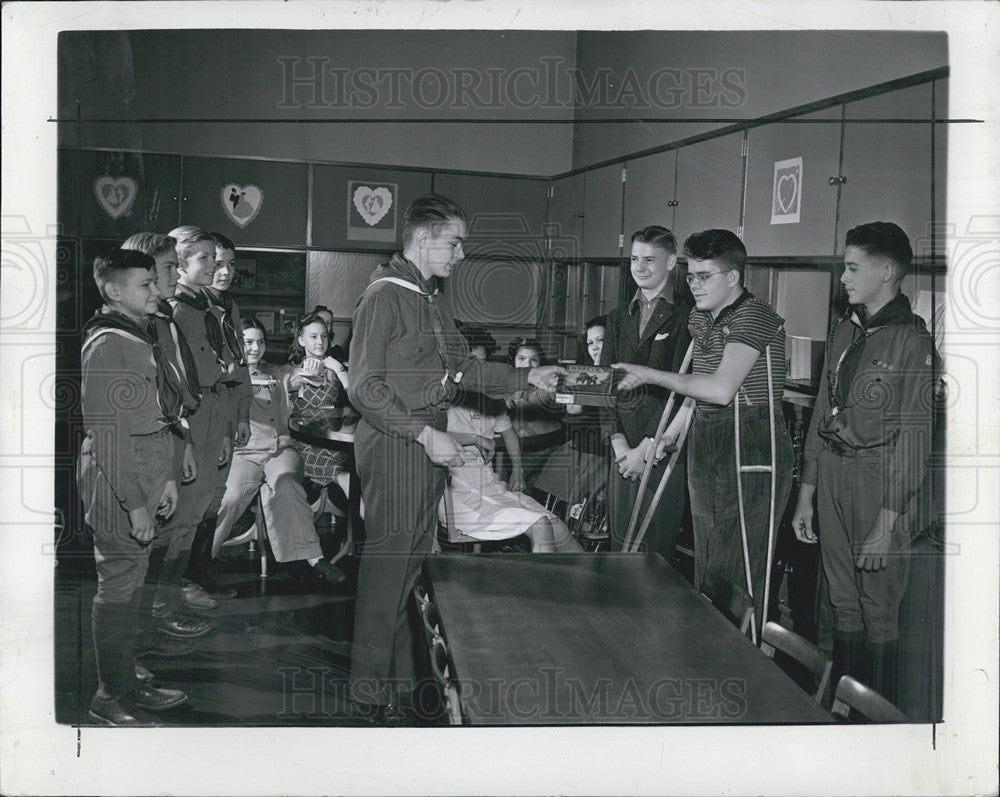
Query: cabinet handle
(840, 180)
(580, 215)
(672, 203)
(175, 197)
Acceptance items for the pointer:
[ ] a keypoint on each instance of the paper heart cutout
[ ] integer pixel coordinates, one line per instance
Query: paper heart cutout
(115, 195)
(372, 203)
(790, 178)
(242, 203)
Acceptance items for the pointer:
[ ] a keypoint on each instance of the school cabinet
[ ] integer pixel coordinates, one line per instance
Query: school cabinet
(253, 202)
(887, 164)
(650, 193)
(113, 194)
(361, 208)
(793, 169)
(709, 186)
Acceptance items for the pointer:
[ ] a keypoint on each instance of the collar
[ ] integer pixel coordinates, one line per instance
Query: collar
(730, 308)
(404, 268)
(188, 296)
(639, 298)
(896, 311)
(219, 298)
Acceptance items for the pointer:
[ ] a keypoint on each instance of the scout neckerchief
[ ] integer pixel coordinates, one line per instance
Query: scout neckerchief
(224, 303)
(895, 311)
(440, 342)
(185, 359)
(169, 397)
(213, 330)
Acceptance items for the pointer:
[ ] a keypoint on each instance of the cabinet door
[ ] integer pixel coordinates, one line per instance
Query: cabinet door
(254, 202)
(602, 208)
(709, 181)
(497, 292)
(940, 158)
(888, 165)
(338, 224)
(115, 194)
(506, 214)
(565, 232)
(771, 198)
(649, 190)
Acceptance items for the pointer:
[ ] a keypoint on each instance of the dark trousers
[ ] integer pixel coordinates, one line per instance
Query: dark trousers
(661, 536)
(715, 510)
(849, 493)
(402, 489)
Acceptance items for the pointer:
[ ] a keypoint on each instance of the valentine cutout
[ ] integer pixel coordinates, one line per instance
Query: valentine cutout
(371, 211)
(786, 195)
(115, 195)
(241, 203)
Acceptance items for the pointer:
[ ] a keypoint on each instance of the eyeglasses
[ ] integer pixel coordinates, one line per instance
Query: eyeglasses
(701, 277)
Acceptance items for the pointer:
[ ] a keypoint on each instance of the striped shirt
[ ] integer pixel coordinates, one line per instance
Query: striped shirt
(750, 321)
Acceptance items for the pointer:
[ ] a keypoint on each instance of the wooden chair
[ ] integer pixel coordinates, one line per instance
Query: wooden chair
(440, 662)
(256, 535)
(852, 695)
(729, 598)
(450, 534)
(777, 637)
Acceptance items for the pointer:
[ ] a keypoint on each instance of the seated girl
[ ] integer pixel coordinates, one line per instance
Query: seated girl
(268, 462)
(579, 466)
(317, 383)
(483, 506)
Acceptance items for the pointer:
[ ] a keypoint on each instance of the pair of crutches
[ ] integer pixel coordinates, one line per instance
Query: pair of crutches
(632, 546)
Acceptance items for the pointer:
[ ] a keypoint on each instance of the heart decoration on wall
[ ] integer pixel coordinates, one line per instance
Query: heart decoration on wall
(372, 203)
(115, 195)
(788, 190)
(242, 203)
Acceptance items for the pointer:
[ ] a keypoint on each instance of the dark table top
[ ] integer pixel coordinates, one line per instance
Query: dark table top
(600, 639)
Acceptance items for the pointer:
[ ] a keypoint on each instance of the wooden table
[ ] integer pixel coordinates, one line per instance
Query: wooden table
(600, 639)
(337, 432)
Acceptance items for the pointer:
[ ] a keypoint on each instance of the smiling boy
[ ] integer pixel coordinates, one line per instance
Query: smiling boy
(735, 337)
(650, 330)
(866, 453)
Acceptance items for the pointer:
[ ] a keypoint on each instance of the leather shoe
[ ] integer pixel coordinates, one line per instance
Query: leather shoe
(196, 597)
(142, 674)
(160, 645)
(208, 580)
(177, 625)
(153, 699)
(117, 714)
(328, 572)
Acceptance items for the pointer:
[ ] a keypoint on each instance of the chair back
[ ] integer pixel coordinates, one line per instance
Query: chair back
(777, 637)
(729, 598)
(852, 695)
(440, 663)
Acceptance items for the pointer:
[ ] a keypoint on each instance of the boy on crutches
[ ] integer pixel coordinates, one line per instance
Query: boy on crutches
(737, 377)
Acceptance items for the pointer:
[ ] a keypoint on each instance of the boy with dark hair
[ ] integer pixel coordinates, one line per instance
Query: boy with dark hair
(131, 399)
(650, 330)
(866, 453)
(739, 342)
(409, 363)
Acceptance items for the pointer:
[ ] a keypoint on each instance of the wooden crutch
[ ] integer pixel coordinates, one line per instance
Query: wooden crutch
(644, 482)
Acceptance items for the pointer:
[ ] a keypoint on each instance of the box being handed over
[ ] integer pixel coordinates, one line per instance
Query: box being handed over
(592, 385)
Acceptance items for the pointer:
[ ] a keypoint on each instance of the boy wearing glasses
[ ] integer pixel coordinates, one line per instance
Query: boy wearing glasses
(735, 335)
(651, 330)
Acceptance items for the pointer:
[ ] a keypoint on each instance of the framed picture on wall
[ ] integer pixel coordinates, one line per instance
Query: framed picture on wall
(244, 275)
(266, 319)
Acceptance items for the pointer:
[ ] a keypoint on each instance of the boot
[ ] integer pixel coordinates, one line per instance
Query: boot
(883, 666)
(201, 568)
(114, 640)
